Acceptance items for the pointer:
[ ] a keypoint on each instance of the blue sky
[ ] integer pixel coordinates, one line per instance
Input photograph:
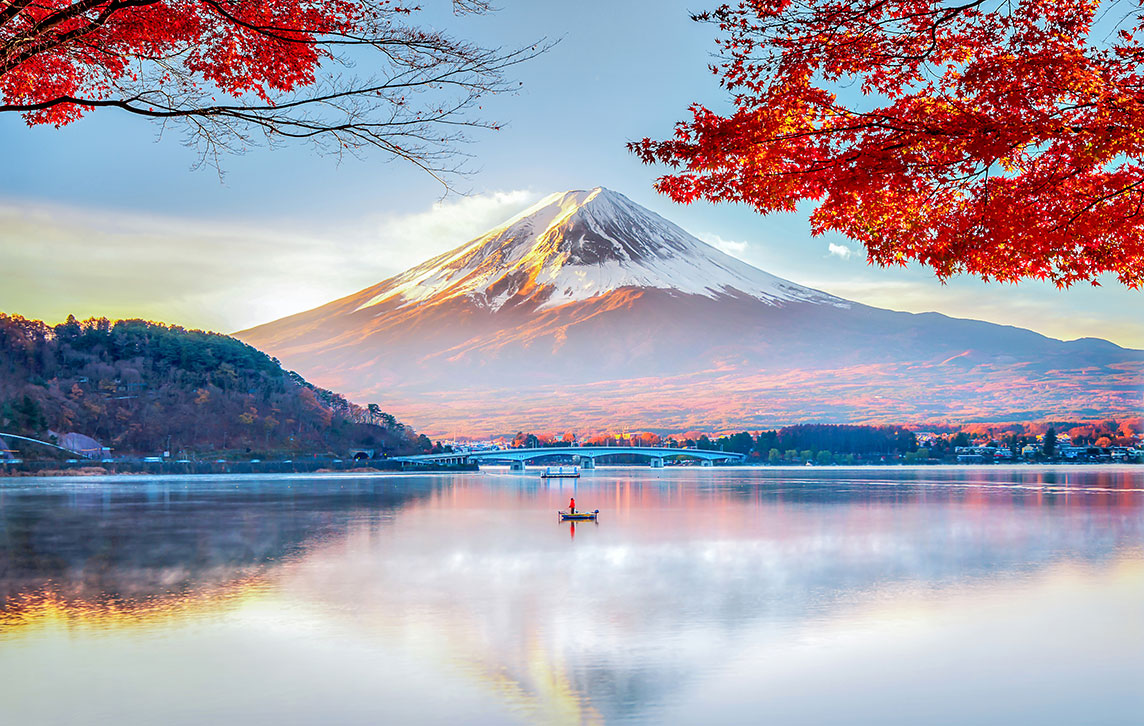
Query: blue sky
(105, 218)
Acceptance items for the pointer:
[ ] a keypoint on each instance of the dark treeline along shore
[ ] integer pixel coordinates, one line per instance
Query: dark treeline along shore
(133, 387)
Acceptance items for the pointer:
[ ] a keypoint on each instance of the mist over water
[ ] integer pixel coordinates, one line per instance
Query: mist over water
(882, 596)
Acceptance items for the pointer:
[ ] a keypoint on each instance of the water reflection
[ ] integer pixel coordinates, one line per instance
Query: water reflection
(464, 599)
(138, 541)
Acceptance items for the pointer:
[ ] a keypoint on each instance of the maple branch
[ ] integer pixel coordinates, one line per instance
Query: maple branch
(33, 48)
(1095, 202)
(12, 10)
(414, 108)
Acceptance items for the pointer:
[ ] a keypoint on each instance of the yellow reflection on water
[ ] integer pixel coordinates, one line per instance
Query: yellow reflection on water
(543, 691)
(47, 609)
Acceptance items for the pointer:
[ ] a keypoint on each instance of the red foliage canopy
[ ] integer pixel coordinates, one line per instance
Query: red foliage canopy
(995, 139)
(228, 68)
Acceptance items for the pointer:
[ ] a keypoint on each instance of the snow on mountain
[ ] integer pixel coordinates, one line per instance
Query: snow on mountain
(576, 245)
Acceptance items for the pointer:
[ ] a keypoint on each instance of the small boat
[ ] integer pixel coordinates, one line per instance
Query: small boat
(559, 472)
(578, 516)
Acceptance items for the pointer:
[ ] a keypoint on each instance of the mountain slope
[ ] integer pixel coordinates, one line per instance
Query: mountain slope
(588, 311)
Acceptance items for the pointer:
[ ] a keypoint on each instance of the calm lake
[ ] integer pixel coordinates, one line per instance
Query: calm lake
(986, 595)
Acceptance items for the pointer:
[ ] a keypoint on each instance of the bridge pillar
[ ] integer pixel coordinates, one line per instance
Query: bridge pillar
(516, 466)
(657, 463)
(707, 462)
(587, 462)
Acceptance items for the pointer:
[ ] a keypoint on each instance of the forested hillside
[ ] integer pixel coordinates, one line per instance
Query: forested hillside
(144, 387)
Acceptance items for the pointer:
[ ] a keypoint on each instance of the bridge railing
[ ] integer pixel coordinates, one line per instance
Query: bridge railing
(593, 451)
(87, 454)
(587, 453)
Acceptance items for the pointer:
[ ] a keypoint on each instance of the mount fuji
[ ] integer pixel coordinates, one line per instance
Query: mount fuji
(589, 312)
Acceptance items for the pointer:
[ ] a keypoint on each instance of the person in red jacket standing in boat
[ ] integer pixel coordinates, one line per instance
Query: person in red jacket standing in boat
(572, 505)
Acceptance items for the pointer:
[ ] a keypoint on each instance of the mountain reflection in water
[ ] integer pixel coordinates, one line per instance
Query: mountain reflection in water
(721, 594)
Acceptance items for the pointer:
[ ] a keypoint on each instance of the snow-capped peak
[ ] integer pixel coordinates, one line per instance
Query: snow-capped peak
(575, 245)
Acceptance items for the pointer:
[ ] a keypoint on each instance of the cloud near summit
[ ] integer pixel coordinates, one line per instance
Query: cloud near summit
(731, 247)
(418, 236)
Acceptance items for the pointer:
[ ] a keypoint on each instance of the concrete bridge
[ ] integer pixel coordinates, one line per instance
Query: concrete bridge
(585, 456)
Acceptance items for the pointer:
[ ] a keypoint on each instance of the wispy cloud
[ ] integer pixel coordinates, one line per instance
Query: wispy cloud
(410, 239)
(218, 274)
(840, 251)
(731, 247)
